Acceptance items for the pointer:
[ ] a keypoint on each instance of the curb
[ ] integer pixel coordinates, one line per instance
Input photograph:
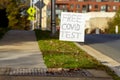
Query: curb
(105, 60)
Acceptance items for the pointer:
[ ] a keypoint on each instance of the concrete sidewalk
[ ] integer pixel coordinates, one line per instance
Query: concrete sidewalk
(19, 49)
(48, 78)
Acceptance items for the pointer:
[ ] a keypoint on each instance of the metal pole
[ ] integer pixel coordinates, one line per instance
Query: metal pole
(31, 22)
(30, 3)
(37, 18)
(33, 26)
(41, 14)
(53, 15)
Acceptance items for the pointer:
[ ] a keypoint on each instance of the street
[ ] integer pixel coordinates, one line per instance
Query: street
(108, 44)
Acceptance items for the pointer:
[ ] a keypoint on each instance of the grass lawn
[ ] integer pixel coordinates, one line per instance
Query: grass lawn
(61, 54)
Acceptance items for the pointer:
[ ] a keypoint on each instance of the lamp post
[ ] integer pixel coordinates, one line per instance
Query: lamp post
(53, 15)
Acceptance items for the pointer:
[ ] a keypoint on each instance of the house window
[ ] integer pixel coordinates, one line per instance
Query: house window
(90, 6)
(103, 8)
(114, 8)
(98, 1)
(78, 6)
(103, 0)
(57, 6)
(108, 7)
(84, 6)
(71, 6)
(64, 6)
(116, 1)
(80, 0)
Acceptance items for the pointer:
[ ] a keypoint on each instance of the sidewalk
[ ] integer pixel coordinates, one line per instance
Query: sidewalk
(19, 49)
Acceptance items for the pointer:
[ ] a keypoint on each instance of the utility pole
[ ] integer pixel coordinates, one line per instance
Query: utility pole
(53, 16)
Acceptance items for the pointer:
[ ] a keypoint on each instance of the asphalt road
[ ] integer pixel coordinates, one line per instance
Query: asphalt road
(105, 43)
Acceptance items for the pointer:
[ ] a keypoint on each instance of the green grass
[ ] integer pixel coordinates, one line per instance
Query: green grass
(61, 54)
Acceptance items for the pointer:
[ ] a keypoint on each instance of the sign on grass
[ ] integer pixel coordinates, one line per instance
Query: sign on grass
(72, 26)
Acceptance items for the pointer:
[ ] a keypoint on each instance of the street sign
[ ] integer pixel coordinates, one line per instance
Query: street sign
(72, 26)
(31, 11)
(40, 4)
(31, 18)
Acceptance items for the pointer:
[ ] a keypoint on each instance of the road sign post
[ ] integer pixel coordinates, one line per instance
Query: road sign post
(31, 11)
(31, 22)
(40, 4)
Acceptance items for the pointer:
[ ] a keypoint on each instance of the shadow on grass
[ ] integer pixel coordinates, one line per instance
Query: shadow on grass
(47, 35)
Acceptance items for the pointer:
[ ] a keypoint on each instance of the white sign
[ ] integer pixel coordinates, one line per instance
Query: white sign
(72, 27)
